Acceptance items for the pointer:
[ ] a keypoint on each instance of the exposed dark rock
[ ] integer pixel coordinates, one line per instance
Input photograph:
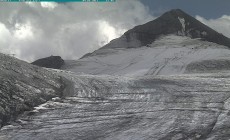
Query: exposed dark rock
(54, 62)
(172, 22)
(169, 23)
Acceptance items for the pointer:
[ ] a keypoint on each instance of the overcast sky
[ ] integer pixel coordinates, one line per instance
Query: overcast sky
(36, 30)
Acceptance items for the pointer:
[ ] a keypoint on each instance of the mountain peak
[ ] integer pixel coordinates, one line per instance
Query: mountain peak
(175, 22)
(175, 12)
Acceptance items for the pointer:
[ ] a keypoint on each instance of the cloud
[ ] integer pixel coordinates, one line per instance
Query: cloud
(49, 5)
(35, 30)
(221, 25)
(5, 37)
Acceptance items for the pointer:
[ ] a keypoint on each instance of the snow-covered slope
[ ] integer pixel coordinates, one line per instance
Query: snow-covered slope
(167, 55)
(170, 44)
(141, 108)
(23, 86)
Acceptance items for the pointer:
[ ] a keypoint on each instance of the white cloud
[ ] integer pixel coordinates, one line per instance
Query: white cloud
(221, 25)
(23, 31)
(5, 38)
(36, 30)
(49, 5)
(108, 32)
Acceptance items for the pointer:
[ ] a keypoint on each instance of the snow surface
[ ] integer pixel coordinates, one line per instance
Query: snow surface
(24, 86)
(126, 108)
(168, 55)
(138, 93)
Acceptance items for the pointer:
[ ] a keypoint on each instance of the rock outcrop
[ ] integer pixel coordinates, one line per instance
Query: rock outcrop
(54, 62)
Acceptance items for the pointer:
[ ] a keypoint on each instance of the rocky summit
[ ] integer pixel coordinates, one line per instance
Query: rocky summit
(172, 22)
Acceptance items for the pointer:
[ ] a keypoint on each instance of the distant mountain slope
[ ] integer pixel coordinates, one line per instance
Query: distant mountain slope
(174, 43)
(172, 22)
(166, 56)
(24, 86)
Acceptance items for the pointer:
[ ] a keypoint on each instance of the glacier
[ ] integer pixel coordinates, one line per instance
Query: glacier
(149, 84)
(115, 107)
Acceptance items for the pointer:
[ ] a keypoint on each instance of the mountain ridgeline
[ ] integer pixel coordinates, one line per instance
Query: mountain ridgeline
(172, 22)
(174, 43)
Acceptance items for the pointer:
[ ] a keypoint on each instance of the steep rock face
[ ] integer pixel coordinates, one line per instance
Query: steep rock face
(54, 62)
(23, 86)
(172, 22)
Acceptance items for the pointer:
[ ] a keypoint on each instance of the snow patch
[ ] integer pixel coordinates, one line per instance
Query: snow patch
(204, 33)
(182, 21)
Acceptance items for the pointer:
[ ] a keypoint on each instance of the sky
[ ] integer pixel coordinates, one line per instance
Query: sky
(205, 8)
(36, 30)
